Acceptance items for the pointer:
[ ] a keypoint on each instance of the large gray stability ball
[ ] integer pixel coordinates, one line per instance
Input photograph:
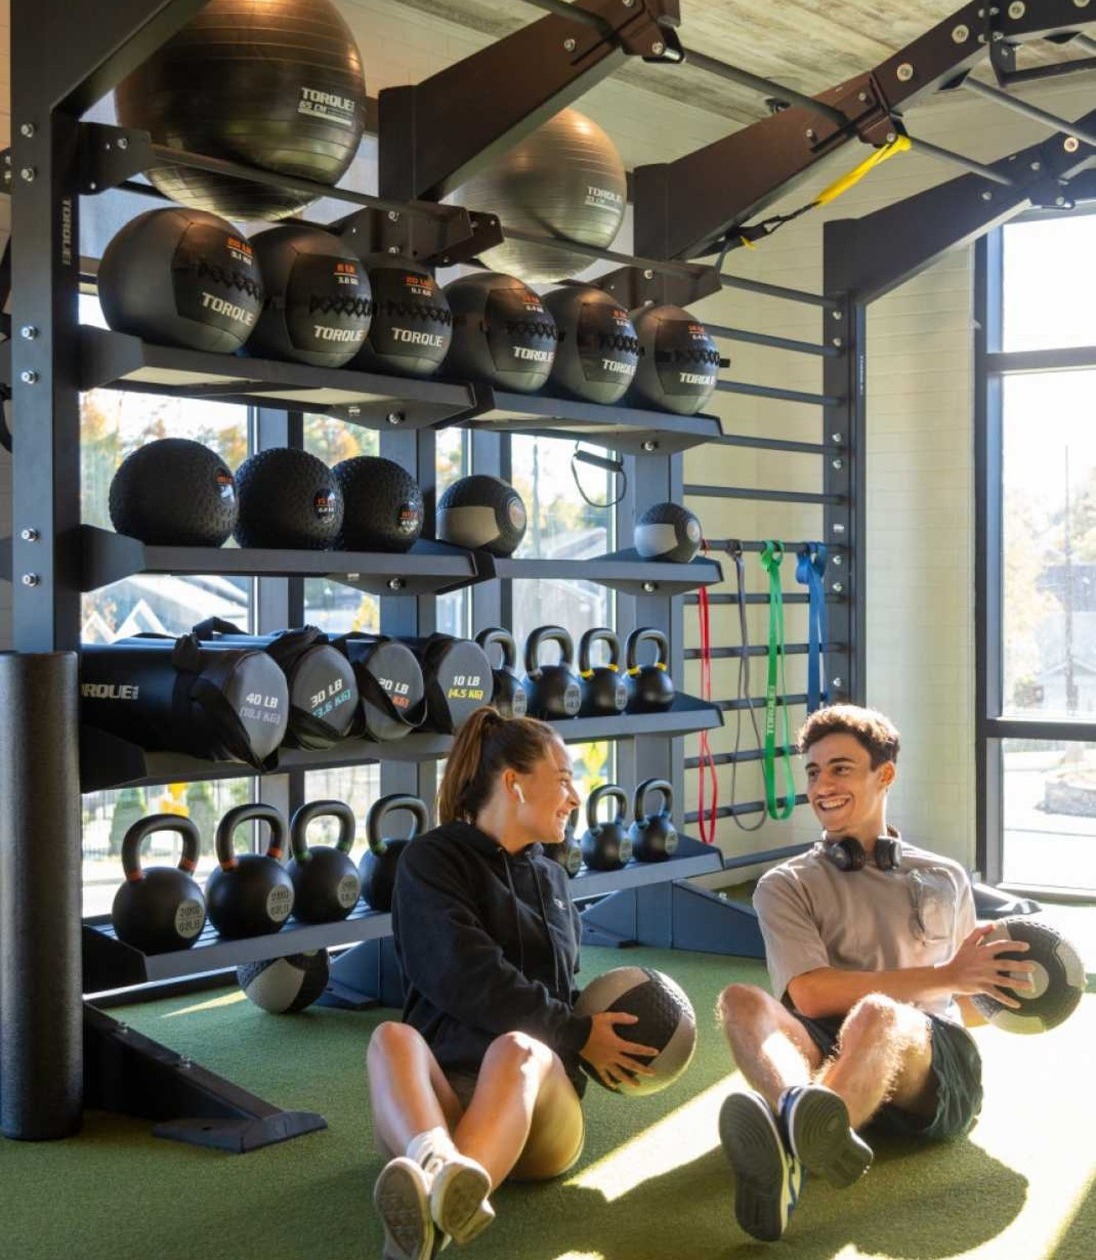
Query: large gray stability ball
(565, 180)
(276, 84)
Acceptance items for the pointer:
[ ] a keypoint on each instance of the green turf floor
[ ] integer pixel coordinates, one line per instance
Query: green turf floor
(652, 1184)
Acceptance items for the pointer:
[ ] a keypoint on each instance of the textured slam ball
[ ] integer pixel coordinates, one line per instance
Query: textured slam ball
(286, 985)
(667, 531)
(412, 324)
(181, 277)
(288, 498)
(598, 349)
(565, 180)
(666, 1021)
(678, 361)
(276, 84)
(317, 303)
(502, 333)
(481, 512)
(382, 505)
(174, 493)
(1059, 978)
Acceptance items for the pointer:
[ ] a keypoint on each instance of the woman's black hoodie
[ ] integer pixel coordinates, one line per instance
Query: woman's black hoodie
(488, 944)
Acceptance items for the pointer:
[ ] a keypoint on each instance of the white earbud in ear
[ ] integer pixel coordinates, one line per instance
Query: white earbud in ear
(519, 793)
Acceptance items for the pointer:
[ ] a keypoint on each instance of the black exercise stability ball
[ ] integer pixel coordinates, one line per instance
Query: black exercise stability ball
(502, 333)
(317, 304)
(159, 908)
(288, 498)
(284, 986)
(678, 361)
(668, 531)
(382, 505)
(181, 277)
(598, 349)
(481, 511)
(565, 180)
(412, 324)
(249, 894)
(174, 492)
(276, 84)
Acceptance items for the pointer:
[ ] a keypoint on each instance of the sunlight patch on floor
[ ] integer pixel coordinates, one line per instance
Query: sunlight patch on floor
(213, 1004)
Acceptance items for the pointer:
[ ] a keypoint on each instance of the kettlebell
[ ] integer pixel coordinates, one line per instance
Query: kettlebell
(377, 868)
(567, 853)
(652, 686)
(606, 846)
(326, 886)
(249, 894)
(555, 691)
(605, 688)
(654, 838)
(162, 908)
(507, 695)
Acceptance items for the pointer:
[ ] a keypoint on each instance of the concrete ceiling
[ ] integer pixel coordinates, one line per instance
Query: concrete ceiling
(807, 45)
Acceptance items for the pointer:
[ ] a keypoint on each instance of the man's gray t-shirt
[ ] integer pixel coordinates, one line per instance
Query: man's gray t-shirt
(813, 915)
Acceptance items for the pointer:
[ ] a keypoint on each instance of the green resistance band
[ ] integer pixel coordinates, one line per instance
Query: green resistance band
(772, 553)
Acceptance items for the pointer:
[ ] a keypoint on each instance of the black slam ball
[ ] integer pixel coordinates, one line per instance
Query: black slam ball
(502, 333)
(288, 498)
(181, 277)
(317, 304)
(412, 325)
(382, 505)
(482, 512)
(678, 361)
(174, 493)
(668, 531)
(598, 349)
(276, 84)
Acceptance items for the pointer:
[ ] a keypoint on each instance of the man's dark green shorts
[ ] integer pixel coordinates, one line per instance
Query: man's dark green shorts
(956, 1064)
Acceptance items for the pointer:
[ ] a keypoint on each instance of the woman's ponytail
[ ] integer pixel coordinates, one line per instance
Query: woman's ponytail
(486, 744)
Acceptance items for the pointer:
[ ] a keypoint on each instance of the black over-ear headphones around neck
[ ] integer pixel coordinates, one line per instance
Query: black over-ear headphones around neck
(848, 854)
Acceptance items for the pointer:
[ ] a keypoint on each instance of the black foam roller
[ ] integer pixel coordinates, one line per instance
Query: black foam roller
(41, 1022)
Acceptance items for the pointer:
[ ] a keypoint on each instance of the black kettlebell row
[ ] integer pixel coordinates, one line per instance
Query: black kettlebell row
(163, 908)
(609, 845)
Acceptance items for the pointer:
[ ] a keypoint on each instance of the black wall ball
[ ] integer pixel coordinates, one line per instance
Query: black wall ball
(174, 492)
(181, 277)
(382, 505)
(317, 305)
(482, 512)
(276, 84)
(284, 986)
(287, 498)
(678, 361)
(668, 531)
(502, 332)
(565, 180)
(598, 349)
(412, 324)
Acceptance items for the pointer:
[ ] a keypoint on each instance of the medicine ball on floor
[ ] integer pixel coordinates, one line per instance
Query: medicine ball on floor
(181, 277)
(287, 499)
(668, 531)
(284, 986)
(678, 361)
(598, 349)
(174, 493)
(276, 85)
(502, 333)
(1059, 978)
(382, 505)
(565, 180)
(412, 324)
(482, 512)
(666, 1022)
(317, 307)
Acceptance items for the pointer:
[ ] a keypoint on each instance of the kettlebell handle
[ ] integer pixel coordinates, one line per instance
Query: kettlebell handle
(647, 634)
(497, 634)
(653, 785)
(134, 838)
(298, 826)
(548, 634)
(597, 796)
(226, 832)
(385, 805)
(600, 634)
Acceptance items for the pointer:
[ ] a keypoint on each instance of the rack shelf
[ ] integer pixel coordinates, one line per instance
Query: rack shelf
(624, 571)
(106, 761)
